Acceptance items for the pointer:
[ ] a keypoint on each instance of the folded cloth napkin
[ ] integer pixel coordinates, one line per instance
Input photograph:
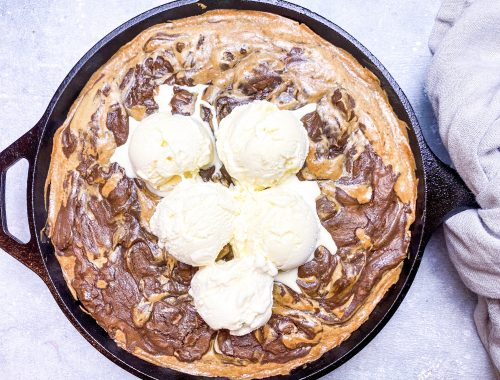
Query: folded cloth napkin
(464, 88)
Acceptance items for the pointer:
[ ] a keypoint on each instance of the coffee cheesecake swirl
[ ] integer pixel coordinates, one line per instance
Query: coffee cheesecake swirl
(359, 155)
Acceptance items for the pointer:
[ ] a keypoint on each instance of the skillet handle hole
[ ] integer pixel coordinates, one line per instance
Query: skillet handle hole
(16, 210)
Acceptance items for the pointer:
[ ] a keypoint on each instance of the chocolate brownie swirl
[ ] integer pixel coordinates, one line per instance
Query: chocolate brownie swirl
(359, 154)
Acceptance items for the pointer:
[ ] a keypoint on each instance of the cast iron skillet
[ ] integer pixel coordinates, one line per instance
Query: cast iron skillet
(440, 190)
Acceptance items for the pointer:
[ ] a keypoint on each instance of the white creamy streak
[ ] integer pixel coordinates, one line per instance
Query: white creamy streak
(121, 156)
(289, 278)
(199, 89)
(300, 112)
(163, 98)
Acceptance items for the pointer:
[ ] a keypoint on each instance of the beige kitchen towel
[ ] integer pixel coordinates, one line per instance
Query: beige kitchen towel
(464, 88)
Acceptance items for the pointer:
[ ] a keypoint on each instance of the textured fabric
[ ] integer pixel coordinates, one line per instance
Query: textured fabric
(464, 89)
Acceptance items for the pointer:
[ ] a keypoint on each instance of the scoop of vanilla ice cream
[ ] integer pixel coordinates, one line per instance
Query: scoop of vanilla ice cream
(236, 295)
(195, 221)
(277, 224)
(259, 144)
(166, 148)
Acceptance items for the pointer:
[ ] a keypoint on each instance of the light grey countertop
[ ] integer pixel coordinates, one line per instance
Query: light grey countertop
(431, 336)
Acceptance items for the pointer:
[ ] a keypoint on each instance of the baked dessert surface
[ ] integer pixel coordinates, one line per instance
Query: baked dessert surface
(359, 154)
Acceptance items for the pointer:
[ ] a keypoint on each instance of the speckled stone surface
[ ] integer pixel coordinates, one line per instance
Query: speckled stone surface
(431, 336)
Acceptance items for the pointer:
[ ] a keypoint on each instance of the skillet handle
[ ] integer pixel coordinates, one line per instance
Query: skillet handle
(446, 192)
(27, 253)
